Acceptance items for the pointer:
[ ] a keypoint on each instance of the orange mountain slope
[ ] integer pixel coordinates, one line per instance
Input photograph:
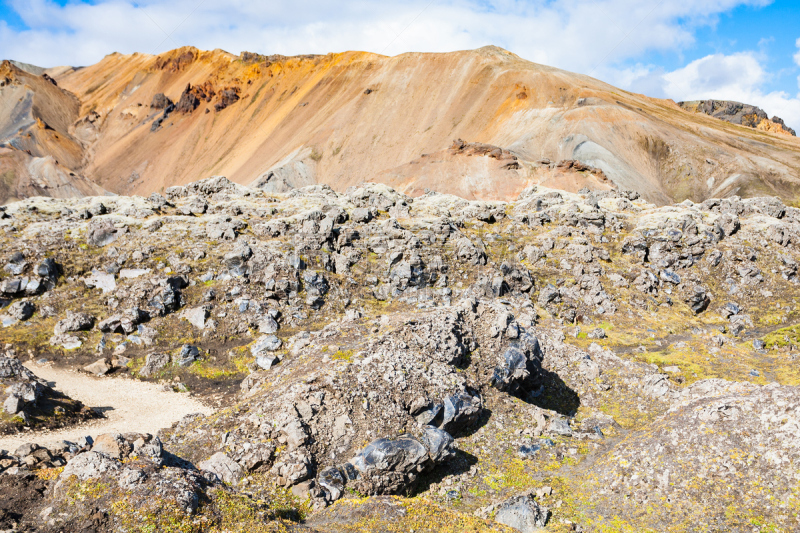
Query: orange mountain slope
(342, 119)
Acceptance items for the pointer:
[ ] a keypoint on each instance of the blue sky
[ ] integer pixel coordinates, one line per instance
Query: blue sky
(746, 50)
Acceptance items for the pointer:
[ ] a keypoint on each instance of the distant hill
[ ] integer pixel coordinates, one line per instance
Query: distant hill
(739, 113)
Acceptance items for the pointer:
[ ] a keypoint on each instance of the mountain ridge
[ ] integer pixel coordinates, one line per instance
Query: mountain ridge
(345, 118)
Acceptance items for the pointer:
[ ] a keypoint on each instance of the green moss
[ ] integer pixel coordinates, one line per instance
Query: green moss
(789, 336)
(342, 355)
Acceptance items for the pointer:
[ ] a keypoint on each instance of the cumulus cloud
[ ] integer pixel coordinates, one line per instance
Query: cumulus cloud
(797, 55)
(739, 77)
(716, 76)
(574, 34)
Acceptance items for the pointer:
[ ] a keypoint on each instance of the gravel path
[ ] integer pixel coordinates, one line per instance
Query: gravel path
(128, 404)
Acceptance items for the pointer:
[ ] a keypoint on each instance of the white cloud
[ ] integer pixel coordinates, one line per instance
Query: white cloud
(716, 76)
(596, 37)
(797, 55)
(739, 77)
(580, 35)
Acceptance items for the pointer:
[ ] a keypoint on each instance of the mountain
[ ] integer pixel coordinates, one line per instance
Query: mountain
(739, 113)
(38, 148)
(146, 122)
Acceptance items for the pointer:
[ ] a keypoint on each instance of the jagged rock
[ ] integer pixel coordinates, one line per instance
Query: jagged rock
(332, 482)
(728, 223)
(160, 101)
(113, 445)
(559, 426)
(517, 278)
(48, 268)
(100, 367)
(21, 310)
(196, 316)
(196, 206)
(236, 260)
(266, 343)
(223, 467)
(656, 385)
(461, 410)
(523, 514)
(74, 322)
(87, 465)
(468, 252)
(361, 215)
(316, 287)
(293, 468)
(101, 280)
(514, 369)
(13, 404)
(268, 325)
(670, 277)
(188, 355)
(698, 300)
(387, 466)
(102, 232)
(266, 361)
(227, 97)
(154, 363)
(125, 322)
(439, 444)
(547, 295)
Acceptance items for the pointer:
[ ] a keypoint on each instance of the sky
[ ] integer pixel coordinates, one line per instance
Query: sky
(743, 50)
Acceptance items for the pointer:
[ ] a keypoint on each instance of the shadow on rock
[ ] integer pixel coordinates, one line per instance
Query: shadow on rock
(460, 463)
(554, 394)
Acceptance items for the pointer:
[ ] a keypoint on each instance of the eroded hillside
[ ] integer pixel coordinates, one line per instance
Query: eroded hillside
(149, 122)
(38, 152)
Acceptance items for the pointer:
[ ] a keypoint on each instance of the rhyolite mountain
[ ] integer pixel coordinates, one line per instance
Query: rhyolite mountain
(136, 124)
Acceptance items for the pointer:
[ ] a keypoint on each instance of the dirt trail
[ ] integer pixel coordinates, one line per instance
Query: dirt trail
(128, 405)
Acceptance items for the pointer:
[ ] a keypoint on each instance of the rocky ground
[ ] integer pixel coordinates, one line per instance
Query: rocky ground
(564, 362)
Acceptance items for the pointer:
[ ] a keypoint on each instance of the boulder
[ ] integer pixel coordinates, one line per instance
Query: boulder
(13, 404)
(439, 444)
(292, 468)
(514, 369)
(101, 280)
(21, 310)
(196, 316)
(461, 410)
(113, 445)
(402, 454)
(522, 513)
(224, 467)
(188, 355)
(100, 367)
(154, 363)
(87, 465)
(74, 322)
(102, 232)
(266, 343)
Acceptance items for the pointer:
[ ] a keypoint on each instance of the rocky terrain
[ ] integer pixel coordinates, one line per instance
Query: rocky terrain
(580, 361)
(138, 124)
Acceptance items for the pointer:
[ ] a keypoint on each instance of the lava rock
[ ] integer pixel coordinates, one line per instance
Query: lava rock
(188, 355)
(522, 513)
